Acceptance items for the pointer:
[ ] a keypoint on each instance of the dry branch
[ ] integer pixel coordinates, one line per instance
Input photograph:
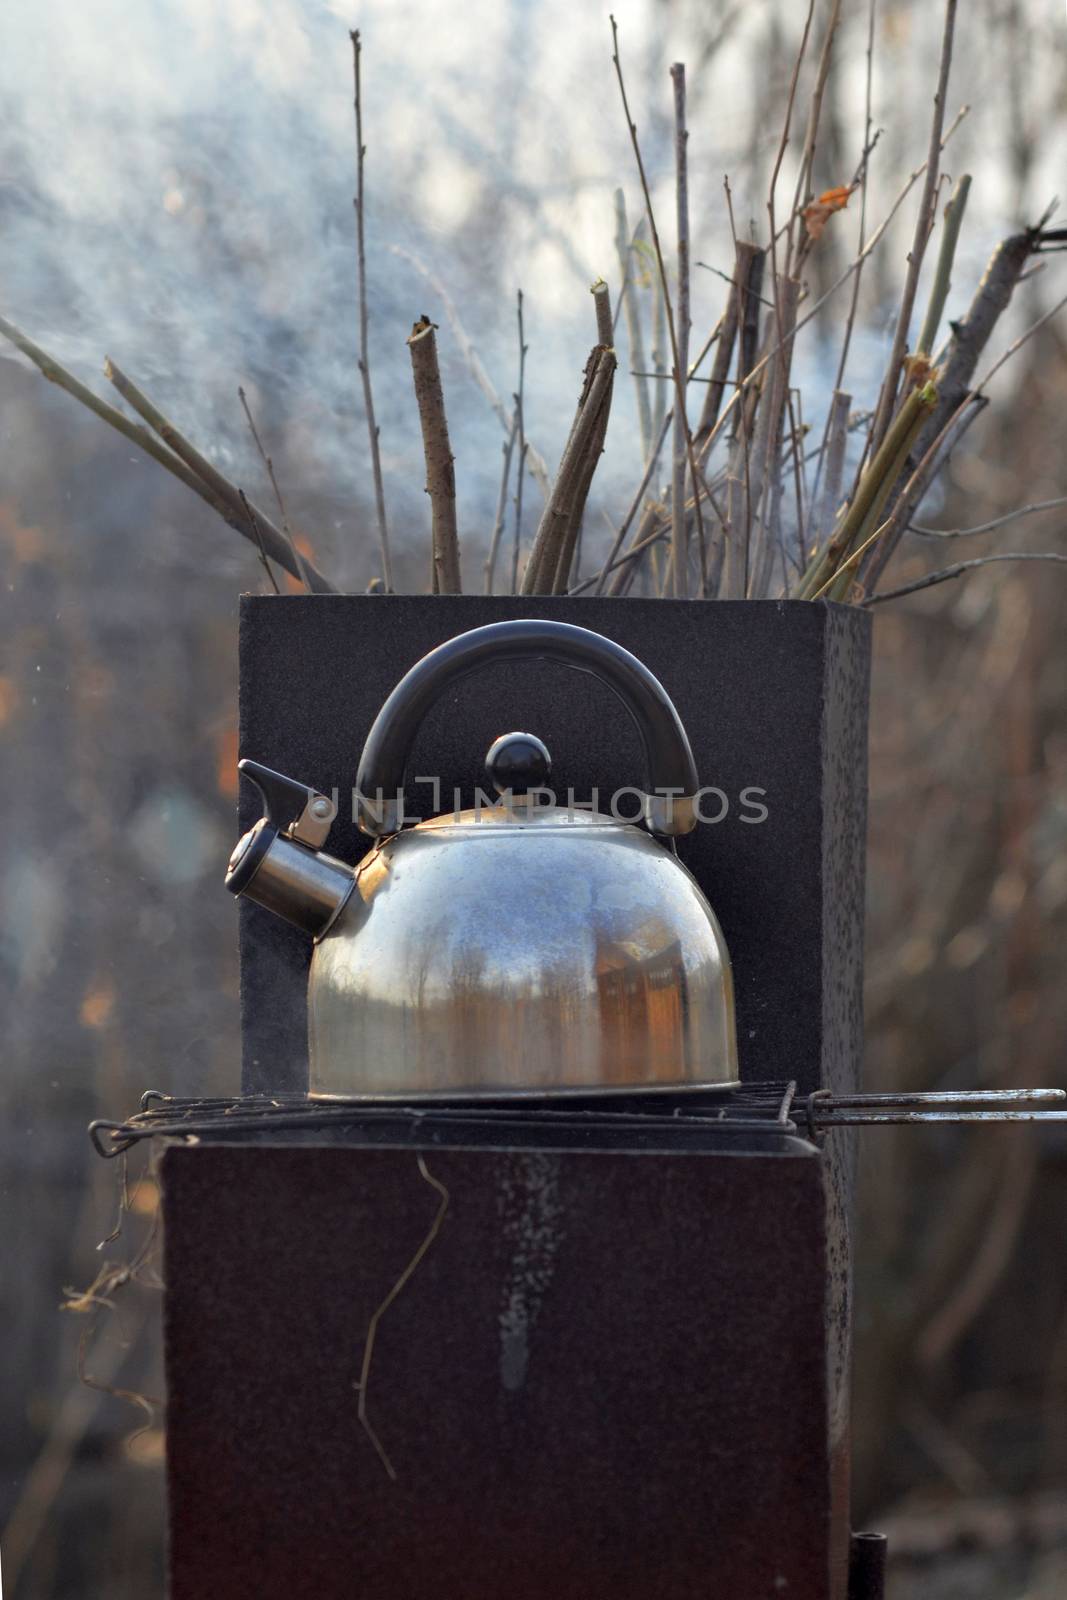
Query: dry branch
(957, 368)
(624, 249)
(724, 349)
(957, 205)
(654, 528)
(905, 500)
(228, 507)
(476, 367)
(269, 464)
(1031, 510)
(548, 565)
(923, 224)
(807, 160)
(764, 470)
(957, 571)
(254, 525)
(679, 521)
(506, 450)
(836, 444)
(437, 449)
(744, 390)
(364, 360)
(600, 577)
(523, 447)
(875, 484)
(276, 545)
(679, 374)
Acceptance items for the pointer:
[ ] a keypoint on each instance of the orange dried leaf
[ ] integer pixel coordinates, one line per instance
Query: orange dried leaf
(818, 214)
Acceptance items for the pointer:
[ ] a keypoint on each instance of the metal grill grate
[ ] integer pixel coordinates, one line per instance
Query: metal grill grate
(685, 1120)
(753, 1108)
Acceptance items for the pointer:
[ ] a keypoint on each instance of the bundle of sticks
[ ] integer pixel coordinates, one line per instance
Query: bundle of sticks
(745, 505)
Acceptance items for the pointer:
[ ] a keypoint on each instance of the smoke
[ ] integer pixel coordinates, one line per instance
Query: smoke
(176, 192)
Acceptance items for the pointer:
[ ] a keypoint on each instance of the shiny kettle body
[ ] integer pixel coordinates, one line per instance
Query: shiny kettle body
(517, 949)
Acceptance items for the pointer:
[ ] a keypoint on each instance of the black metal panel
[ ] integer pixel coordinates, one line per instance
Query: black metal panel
(773, 696)
(606, 1377)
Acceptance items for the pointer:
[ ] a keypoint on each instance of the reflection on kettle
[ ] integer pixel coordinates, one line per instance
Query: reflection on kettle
(518, 949)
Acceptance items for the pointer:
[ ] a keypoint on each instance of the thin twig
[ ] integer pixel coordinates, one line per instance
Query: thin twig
(766, 445)
(268, 569)
(559, 520)
(658, 351)
(957, 571)
(275, 543)
(437, 449)
(950, 234)
(882, 556)
(996, 522)
(862, 175)
(729, 412)
(600, 577)
(837, 441)
(269, 464)
(523, 448)
(655, 535)
(364, 358)
(624, 249)
(536, 463)
(878, 479)
(923, 224)
(720, 371)
(372, 1327)
(507, 450)
(906, 499)
(679, 521)
(679, 370)
(229, 508)
(804, 186)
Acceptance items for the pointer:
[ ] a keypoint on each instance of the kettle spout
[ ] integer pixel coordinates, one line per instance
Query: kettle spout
(306, 887)
(276, 863)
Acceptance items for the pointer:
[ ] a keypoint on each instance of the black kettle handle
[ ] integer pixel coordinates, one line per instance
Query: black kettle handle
(671, 781)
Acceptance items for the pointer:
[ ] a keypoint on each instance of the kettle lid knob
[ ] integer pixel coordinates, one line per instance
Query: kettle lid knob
(517, 762)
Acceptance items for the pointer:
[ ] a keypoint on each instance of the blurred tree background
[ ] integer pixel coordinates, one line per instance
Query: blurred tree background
(176, 191)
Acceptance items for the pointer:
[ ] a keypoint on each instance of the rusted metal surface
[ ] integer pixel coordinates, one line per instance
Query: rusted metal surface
(606, 1376)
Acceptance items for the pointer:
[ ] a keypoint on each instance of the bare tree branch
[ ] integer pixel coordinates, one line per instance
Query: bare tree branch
(958, 570)
(836, 444)
(558, 525)
(274, 541)
(476, 367)
(268, 569)
(742, 392)
(506, 449)
(720, 371)
(364, 359)
(996, 522)
(599, 578)
(679, 521)
(269, 464)
(679, 374)
(954, 210)
(228, 506)
(923, 224)
(624, 249)
(523, 449)
(881, 557)
(437, 448)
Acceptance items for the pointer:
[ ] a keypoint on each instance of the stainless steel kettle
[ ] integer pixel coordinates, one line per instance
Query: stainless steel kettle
(522, 948)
